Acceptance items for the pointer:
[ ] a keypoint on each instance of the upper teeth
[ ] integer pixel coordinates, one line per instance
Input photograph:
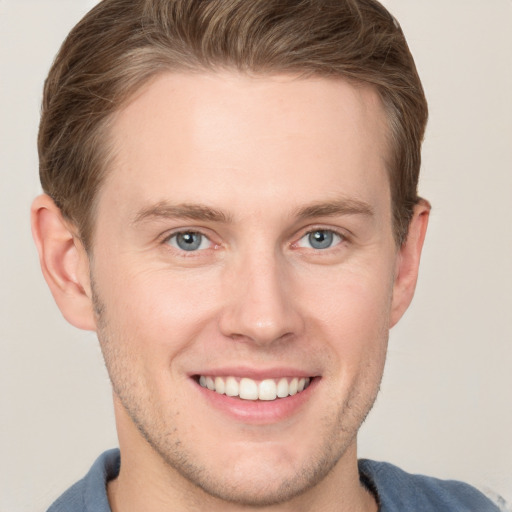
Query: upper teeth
(248, 389)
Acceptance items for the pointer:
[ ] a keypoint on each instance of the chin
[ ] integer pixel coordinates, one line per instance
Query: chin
(258, 485)
(255, 474)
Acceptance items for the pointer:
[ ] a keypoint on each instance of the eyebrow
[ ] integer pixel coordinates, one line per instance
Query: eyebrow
(190, 211)
(335, 208)
(199, 212)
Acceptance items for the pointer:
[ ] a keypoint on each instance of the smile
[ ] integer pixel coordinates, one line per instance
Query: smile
(249, 389)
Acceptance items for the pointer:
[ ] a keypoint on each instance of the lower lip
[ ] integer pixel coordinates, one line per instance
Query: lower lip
(258, 412)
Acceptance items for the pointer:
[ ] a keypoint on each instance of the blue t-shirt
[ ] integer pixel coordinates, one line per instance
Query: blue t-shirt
(394, 489)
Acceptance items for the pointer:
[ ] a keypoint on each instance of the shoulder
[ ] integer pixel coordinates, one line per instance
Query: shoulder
(90, 493)
(398, 490)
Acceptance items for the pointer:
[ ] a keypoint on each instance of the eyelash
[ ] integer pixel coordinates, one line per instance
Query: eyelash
(341, 236)
(183, 252)
(295, 245)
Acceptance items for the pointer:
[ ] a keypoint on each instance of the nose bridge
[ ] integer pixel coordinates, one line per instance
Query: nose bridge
(258, 306)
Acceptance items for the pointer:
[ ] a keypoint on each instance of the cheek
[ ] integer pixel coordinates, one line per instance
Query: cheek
(347, 307)
(357, 299)
(150, 301)
(148, 321)
(352, 315)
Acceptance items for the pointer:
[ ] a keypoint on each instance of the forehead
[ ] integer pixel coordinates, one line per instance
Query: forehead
(192, 137)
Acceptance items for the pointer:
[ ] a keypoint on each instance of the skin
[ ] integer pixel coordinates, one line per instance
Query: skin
(265, 161)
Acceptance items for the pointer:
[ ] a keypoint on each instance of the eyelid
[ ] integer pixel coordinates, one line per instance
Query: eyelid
(305, 243)
(341, 233)
(203, 240)
(167, 236)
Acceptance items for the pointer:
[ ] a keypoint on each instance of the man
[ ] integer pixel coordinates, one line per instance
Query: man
(231, 204)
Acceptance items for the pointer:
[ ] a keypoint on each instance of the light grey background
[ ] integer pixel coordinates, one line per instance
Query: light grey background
(446, 402)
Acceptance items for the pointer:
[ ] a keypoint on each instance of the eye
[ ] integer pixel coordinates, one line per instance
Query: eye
(189, 241)
(320, 239)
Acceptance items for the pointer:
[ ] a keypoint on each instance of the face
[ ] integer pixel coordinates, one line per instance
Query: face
(243, 270)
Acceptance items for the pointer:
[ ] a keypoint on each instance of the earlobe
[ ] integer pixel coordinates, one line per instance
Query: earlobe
(64, 263)
(408, 261)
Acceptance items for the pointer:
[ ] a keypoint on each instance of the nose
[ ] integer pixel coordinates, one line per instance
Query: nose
(259, 304)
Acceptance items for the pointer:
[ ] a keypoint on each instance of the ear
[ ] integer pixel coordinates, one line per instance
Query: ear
(64, 262)
(408, 261)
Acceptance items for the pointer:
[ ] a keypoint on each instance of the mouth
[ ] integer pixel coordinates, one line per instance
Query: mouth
(249, 389)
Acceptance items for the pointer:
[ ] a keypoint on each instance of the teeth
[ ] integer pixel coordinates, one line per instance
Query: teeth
(267, 390)
(232, 387)
(294, 384)
(220, 387)
(282, 388)
(249, 389)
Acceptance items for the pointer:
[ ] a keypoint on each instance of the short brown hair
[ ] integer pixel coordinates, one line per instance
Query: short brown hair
(121, 44)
